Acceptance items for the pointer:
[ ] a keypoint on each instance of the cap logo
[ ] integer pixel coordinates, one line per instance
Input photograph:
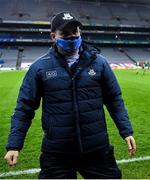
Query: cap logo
(67, 16)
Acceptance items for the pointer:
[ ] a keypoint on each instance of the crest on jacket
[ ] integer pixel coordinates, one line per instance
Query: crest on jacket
(91, 72)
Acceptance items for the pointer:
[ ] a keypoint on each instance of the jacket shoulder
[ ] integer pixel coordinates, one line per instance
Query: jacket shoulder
(95, 52)
(41, 62)
(101, 60)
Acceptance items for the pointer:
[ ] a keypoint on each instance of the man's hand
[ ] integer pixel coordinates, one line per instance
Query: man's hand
(131, 145)
(12, 157)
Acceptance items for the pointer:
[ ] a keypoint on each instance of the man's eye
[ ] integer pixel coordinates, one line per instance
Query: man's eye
(64, 34)
(71, 38)
(75, 31)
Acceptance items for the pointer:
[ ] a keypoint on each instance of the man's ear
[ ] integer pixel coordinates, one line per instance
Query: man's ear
(53, 37)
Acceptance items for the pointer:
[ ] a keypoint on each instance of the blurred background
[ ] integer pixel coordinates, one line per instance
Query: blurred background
(119, 28)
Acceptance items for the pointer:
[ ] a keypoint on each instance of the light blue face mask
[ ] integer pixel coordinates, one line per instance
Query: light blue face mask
(70, 44)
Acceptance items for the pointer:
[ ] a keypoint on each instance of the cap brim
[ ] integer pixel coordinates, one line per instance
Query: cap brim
(73, 23)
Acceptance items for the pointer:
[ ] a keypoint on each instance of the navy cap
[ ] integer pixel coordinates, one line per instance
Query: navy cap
(62, 19)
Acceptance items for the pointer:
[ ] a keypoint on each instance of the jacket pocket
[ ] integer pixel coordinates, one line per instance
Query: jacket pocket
(47, 125)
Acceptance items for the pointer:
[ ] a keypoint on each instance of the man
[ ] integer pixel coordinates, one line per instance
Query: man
(145, 67)
(137, 67)
(74, 82)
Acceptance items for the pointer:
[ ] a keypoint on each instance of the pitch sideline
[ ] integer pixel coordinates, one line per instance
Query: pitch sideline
(36, 170)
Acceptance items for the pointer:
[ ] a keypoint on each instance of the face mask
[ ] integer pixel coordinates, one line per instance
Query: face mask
(70, 44)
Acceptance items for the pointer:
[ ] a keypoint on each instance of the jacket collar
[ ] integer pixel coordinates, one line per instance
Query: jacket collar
(87, 55)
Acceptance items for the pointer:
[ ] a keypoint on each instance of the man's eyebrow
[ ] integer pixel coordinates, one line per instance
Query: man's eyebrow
(66, 32)
(61, 33)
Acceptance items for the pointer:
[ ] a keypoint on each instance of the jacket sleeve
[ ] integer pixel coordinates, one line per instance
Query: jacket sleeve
(112, 98)
(28, 101)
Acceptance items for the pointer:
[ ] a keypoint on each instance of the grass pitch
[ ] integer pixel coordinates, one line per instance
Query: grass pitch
(136, 94)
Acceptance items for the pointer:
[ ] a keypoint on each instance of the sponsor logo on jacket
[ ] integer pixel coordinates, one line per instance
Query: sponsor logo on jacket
(51, 74)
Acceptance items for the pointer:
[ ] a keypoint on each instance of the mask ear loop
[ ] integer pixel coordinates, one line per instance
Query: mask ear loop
(53, 37)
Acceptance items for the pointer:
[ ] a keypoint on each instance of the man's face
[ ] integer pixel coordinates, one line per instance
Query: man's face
(67, 32)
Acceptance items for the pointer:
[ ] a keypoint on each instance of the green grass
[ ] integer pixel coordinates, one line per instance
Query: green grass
(136, 94)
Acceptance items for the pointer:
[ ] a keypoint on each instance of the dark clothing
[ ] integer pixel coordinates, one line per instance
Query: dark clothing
(96, 165)
(73, 118)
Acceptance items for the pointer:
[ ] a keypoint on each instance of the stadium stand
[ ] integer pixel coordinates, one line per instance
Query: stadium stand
(119, 28)
(139, 54)
(113, 55)
(30, 54)
(101, 12)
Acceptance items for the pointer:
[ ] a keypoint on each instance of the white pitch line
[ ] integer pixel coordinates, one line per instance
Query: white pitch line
(144, 158)
(37, 170)
(15, 173)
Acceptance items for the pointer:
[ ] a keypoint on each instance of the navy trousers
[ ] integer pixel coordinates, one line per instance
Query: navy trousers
(94, 165)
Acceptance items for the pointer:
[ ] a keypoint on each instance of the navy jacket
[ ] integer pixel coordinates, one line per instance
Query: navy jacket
(73, 118)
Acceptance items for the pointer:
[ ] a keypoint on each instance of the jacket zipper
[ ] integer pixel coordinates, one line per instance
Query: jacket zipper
(76, 113)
